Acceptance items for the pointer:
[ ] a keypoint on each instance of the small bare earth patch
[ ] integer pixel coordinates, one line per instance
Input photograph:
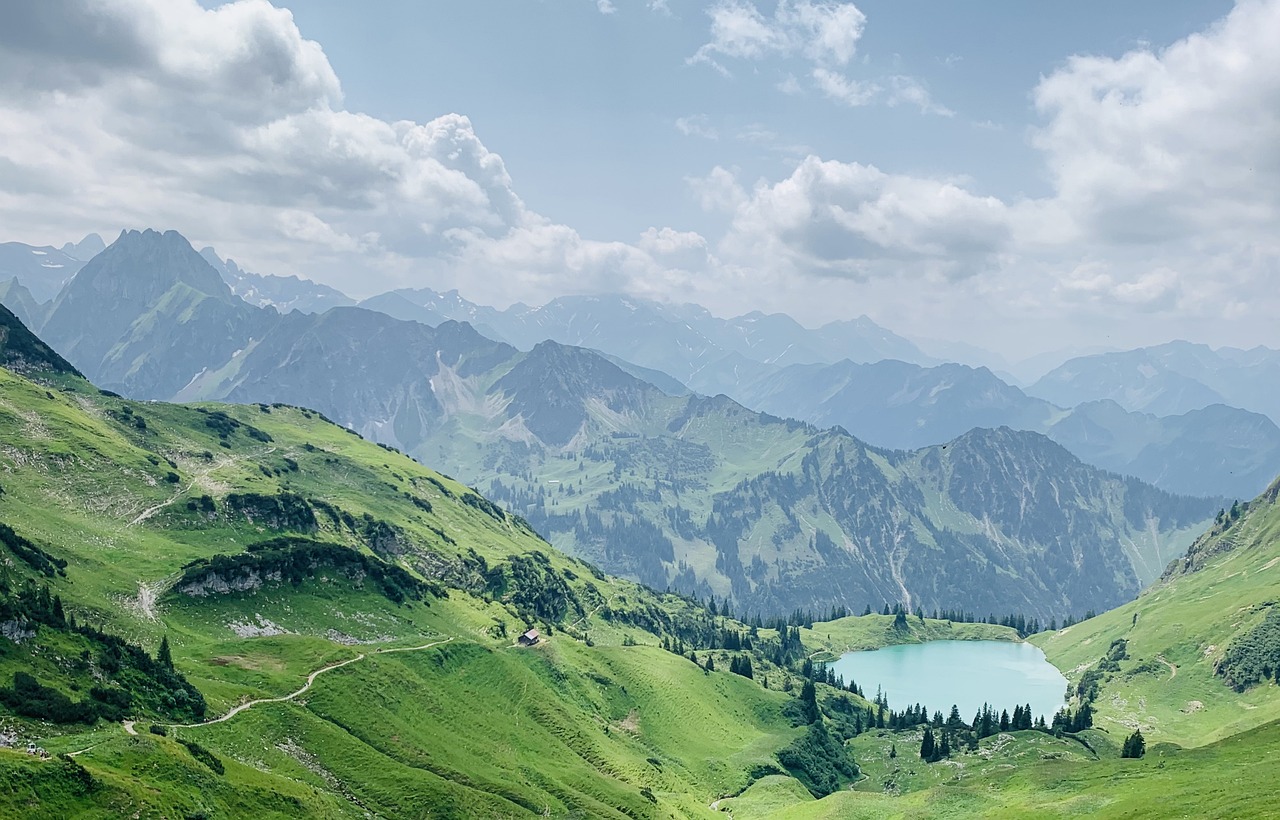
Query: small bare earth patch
(258, 628)
(1192, 707)
(312, 764)
(143, 605)
(631, 723)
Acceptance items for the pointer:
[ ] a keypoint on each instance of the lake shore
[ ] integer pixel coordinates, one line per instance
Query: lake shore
(858, 633)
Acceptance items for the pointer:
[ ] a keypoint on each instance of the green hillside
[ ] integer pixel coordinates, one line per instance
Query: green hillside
(265, 543)
(1200, 645)
(339, 624)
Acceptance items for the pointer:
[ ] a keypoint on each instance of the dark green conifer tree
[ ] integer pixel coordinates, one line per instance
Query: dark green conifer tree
(809, 700)
(1135, 745)
(163, 656)
(926, 746)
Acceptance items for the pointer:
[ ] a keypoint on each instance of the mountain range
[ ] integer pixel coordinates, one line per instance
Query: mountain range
(704, 494)
(310, 625)
(698, 493)
(669, 487)
(680, 340)
(879, 386)
(884, 390)
(899, 405)
(1169, 379)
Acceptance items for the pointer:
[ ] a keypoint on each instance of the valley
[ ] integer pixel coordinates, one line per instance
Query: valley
(745, 410)
(348, 618)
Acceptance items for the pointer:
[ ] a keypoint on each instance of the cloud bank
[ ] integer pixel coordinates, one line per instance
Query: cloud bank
(230, 126)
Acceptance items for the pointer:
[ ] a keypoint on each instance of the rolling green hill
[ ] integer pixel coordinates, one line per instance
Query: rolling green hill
(294, 622)
(1200, 645)
(265, 543)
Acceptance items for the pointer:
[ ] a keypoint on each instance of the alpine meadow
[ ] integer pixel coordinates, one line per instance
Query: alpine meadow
(746, 409)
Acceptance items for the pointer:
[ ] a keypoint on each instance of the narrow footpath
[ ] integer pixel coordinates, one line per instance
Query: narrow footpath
(311, 679)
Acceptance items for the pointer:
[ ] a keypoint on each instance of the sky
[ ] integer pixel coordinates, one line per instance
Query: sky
(1020, 176)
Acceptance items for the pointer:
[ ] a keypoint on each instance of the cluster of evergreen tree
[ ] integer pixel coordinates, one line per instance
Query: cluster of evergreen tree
(741, 665)
(297, 559)
(282, 511)
(942, 737)
(1224, 520)
(819, 761)
(534, 587)
(682, 635)
(128, 678)
(1255, 656)
(1086, 690)
(931, 750)
(31, 555)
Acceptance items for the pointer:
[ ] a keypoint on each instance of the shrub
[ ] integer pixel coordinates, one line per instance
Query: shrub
(205, 756)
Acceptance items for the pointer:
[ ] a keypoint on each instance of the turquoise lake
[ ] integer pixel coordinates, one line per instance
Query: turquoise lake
(965, 673)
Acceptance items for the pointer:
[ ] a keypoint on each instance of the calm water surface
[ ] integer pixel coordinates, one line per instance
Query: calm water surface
(966, 673)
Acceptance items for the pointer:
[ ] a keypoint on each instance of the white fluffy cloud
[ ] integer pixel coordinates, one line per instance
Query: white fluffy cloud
(1166, 193)
(825, 32)
(1154, 145)
(843, 90)
(228, 125)
(697, 125)
(850, 220)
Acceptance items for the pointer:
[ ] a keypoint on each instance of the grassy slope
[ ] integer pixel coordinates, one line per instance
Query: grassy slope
(473, 728)
(856, 633)
(1187, 621)
(1232, 778)
(478, 728)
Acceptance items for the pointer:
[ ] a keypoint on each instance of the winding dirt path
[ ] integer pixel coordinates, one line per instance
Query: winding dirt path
(1173, 670)
(311, 679)
(197, 477)
(599, 607)
(129, 725)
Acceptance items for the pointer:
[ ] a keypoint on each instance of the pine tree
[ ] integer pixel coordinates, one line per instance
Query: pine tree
(163, 656)
(809, 700)
(1135, 745)
(945, 749)
(926, 746)
(1083, 718)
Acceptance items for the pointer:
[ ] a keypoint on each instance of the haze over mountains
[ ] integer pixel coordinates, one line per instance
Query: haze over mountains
(623, 465)
(667, 486)
(1145, 413)
(1170, 379)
